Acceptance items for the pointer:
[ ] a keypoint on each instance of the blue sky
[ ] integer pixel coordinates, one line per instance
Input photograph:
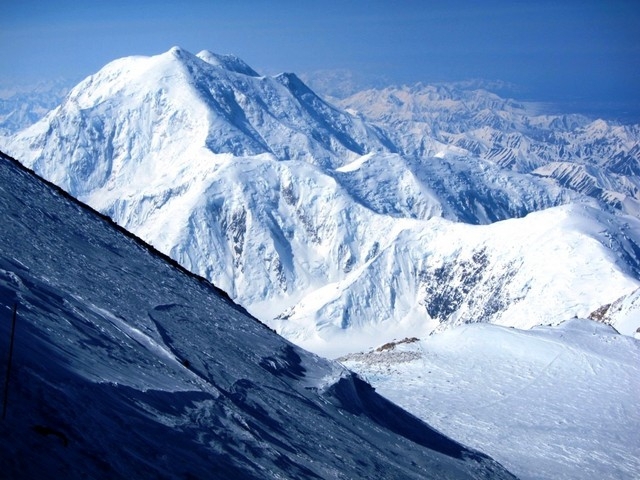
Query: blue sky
(569, 51)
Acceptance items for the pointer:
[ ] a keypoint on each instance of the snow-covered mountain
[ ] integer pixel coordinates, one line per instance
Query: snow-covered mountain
(549, 403)
(335, 229)
(593, 157)
(127, 366)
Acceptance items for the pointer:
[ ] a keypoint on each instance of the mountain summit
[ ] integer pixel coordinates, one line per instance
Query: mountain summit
(338, 231)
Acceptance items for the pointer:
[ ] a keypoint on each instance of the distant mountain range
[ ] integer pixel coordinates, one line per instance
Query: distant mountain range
(595, 158)
(24, 105)
(393, 212)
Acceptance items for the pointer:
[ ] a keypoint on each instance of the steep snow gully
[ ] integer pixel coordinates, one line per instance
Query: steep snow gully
(127, 366)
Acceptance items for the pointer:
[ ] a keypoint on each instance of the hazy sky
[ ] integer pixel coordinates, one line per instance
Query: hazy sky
(568, 50)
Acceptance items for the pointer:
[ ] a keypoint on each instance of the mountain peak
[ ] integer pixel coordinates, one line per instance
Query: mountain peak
(180, 54)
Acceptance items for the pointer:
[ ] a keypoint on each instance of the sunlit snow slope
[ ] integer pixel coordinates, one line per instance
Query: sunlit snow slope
(127, 366)
(550, 403)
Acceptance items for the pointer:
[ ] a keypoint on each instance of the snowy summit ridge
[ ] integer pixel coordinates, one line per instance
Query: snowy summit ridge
(342, 230)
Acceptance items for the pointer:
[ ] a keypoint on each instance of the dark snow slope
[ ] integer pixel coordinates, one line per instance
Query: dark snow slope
(126, 366)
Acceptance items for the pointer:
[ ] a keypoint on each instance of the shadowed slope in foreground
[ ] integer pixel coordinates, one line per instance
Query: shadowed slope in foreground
(127, 366)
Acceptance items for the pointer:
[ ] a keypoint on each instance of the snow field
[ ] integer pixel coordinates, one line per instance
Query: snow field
(549, 403)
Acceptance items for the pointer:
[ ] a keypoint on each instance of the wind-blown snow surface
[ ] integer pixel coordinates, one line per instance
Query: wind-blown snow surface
(322, 224)
(126, 366)
(549, 403)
